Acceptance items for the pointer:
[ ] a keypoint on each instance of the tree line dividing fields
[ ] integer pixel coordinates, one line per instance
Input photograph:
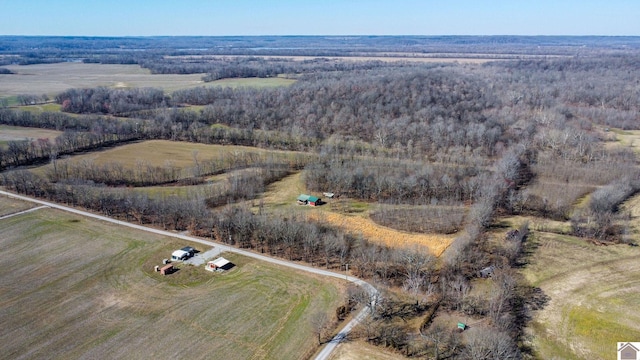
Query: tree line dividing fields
(78, 288)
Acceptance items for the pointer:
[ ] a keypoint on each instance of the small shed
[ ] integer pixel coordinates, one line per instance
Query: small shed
(303, 199)
(167, 269)
(313, 201)
(219, 263)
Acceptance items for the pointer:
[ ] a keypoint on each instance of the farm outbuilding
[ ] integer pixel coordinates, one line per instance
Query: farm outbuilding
(310, 200)
(166, 270)
(219, 263)
(303, 199)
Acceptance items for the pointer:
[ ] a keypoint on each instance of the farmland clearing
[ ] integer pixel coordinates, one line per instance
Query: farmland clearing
(94, 280)
(283, 193)
(177, 154)
(18, 133)
(52, 79)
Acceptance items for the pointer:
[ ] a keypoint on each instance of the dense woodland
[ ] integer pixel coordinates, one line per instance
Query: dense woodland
(523, 136)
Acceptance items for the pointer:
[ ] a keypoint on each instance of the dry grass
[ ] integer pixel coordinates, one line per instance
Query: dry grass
(383, 235)
(10, 206)
(78, 288)
(360, 350)
(162, 152)
(594, 292)
(14, 133)
(52, 79)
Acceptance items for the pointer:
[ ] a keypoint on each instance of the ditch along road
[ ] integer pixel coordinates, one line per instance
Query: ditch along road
(328, 348)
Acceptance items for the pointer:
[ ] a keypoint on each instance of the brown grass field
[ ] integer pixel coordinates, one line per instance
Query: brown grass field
(161, 152)
(78, 288)
(52, 79)
(15, 133)
(10, 206)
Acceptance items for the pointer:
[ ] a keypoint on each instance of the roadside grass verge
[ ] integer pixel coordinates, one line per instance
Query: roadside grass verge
(93, 280)
(10, 206)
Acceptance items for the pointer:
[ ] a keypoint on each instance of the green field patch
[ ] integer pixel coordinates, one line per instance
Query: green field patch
(36, 109)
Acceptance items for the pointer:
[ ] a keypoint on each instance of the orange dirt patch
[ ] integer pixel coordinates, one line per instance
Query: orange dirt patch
(436, 243)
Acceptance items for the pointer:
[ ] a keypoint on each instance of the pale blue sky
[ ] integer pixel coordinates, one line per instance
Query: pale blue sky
(328, 17)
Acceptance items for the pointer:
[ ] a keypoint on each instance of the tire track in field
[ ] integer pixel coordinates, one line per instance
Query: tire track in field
(23, 212)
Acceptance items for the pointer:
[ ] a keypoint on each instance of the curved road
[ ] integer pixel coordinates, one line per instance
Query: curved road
(329, 347)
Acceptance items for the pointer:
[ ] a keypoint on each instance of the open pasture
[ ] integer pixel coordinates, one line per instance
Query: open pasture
(593, 296)
(79, 288)
(177, 154)
(10, 206)
(52, 79)
(17, 133)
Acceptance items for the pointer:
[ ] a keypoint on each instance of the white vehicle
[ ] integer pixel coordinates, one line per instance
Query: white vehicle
(180, 255)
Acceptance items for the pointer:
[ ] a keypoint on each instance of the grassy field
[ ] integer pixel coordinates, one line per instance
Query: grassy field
(10, 206)
(50, 107)
(14, 133)
(179, 154)
(52, 79)
(78, 288)
(594, 292)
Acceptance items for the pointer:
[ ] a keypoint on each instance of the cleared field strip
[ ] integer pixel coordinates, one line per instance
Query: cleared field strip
(380, 234)
(172, 153)
(17, 133)
(123, 281)
(55, 78)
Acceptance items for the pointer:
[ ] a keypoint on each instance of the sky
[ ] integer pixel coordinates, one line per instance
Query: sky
(319, 17)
